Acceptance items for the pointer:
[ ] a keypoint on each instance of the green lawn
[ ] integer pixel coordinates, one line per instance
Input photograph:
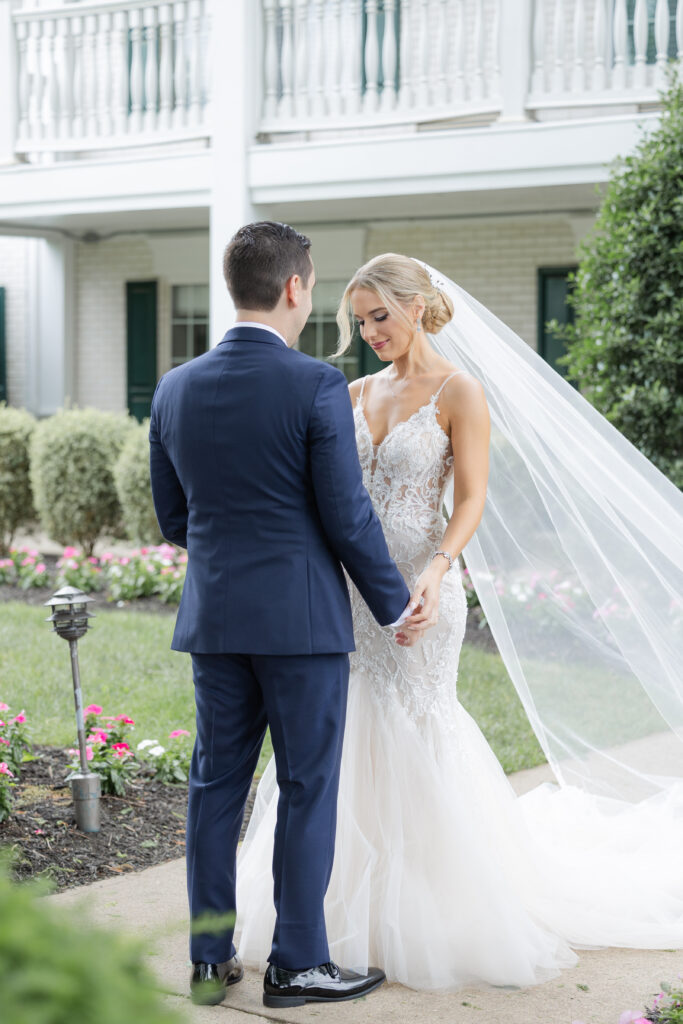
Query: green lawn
(128, 668)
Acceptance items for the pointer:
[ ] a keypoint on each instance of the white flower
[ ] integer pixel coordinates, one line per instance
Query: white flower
(147, 743)
(157, 751)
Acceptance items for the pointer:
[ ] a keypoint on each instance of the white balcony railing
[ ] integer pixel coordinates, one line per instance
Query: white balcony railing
(370, 61)
(96, 75)
(335, 63)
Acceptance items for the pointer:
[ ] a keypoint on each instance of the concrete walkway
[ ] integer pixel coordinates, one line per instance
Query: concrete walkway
(151, 905)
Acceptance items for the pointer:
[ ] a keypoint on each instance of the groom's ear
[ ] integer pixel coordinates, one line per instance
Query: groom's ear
(293, 289)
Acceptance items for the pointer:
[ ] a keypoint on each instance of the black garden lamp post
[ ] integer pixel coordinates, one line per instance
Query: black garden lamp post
(70, 621)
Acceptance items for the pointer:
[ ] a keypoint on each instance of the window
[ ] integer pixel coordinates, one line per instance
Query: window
(651, 52)
(189, 322)
(553, 289)
(320, 336)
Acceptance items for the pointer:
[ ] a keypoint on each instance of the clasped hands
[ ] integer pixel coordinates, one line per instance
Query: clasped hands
(423, 605)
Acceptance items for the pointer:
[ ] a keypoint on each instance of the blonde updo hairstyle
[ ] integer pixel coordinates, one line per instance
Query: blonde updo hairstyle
(397, 281)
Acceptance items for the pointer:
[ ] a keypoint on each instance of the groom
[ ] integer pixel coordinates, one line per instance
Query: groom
(255, 471)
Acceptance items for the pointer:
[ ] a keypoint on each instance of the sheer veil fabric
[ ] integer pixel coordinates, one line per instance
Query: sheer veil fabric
(578, 564)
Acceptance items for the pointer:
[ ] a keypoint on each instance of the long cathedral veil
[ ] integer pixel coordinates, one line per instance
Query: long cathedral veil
(578, 565)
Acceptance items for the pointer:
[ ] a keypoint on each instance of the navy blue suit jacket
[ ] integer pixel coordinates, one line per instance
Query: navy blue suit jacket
(255, 471)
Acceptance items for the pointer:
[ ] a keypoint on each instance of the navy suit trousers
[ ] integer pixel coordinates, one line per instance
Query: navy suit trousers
(303, 699)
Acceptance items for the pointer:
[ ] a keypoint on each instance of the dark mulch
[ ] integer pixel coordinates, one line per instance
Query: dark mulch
(143, 828)
(39, 595)
(481, 638)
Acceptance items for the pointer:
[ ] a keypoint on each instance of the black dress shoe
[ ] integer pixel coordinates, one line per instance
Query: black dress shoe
(208, 982)
(325, 984)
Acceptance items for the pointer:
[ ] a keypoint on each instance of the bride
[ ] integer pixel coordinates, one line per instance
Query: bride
(442, 876)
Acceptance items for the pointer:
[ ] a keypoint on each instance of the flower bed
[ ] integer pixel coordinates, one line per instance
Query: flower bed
(157, 572)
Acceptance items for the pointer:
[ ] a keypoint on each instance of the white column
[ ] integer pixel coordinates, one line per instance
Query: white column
(235, 75)
(515, 59)
(8, 84)
(50, 328)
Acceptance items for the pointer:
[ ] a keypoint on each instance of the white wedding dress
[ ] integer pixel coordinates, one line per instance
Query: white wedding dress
(442, 876)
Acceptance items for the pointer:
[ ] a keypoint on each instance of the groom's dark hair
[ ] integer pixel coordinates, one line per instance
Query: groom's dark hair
(259, 260)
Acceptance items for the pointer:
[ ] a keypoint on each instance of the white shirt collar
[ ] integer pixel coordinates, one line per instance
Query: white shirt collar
(260, 327)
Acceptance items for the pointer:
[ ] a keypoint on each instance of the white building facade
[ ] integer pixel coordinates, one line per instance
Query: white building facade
(137, 135)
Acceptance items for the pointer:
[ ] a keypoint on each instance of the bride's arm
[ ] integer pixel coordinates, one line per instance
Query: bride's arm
(463, 402)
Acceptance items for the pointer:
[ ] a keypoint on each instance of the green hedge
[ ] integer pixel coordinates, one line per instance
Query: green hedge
(625, 348)
(56, 969)
(16, 502)
(72, 459)
(133, 487)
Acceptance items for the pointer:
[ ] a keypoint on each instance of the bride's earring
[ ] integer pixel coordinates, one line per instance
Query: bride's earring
(418, 325)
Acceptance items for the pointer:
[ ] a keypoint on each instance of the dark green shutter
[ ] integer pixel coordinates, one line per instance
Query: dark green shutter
(3, 358)
(141, 319)
(553, 289)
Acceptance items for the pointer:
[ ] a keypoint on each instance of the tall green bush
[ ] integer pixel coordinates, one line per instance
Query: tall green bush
(16, 501)
(134, 489)
(72, 463)
(625, 348)
(55, 970)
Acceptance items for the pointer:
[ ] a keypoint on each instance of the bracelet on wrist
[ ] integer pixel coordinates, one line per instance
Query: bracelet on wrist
(445, 555)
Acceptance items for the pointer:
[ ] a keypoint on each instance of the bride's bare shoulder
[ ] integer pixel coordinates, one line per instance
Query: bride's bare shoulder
(463, 394)
(355, 389)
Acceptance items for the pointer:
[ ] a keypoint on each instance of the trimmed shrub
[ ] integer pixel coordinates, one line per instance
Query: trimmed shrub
(133, 487)
(625, 348)
(16, 501)
(72, 461)
(55, 970)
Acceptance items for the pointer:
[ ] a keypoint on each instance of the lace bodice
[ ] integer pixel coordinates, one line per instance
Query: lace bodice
(407, 476)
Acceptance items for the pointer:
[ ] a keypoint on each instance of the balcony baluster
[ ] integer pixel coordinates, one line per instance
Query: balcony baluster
(661, 42)
(165, 67)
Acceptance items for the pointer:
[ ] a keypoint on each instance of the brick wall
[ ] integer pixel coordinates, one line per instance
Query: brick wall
(13, 271)
(102, 269)
(496, 259)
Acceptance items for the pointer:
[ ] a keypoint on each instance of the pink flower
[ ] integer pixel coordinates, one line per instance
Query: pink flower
(182, 559)
(38, 832)
(3, 740)
(4, 770)
(1, 724)
(125, 719)
(93, 709)
(632, 1017)
(21, 717)
(93, 561)
(106, 557)
(4, 707)
(120, 746)
(144, 551)
(70, 553)
(178, 732)
(28, 561)
(89, 753)
(99, 736)
(124, 561)
(72, 564)
(41, 567)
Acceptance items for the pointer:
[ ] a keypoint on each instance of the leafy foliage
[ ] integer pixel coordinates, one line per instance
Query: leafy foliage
(625, 348)
(56, 971)
(16, 501)
(134, 489)
(72, 459)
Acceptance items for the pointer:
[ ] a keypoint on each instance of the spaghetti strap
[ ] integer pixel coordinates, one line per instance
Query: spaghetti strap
(359, 400)
(445, 382)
